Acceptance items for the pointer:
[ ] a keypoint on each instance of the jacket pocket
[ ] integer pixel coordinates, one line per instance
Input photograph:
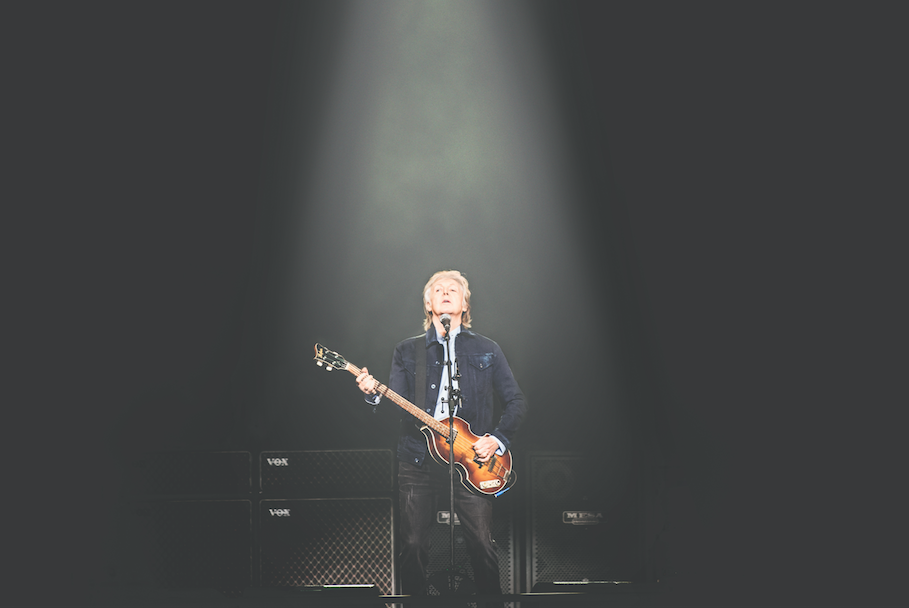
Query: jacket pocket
(479, 378)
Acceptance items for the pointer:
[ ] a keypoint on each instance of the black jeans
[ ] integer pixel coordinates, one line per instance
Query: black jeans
(416, 488)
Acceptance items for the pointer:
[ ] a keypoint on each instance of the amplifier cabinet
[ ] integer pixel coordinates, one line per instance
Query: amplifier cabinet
(503, 533)
(189, 473)
(326, 473)
(327, 541)
(583, 520)
(187, 543)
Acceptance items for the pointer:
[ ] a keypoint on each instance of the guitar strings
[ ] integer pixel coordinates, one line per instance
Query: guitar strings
(460, 443)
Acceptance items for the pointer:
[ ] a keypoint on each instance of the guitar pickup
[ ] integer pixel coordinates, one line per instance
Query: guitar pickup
(480, 465)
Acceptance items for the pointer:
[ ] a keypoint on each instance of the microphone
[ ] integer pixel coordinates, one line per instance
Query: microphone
(446, 322)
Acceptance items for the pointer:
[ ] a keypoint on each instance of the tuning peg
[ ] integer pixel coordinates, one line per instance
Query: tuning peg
(319, 363)
(329, 368)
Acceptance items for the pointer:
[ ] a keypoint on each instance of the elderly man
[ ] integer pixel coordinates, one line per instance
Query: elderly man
(482, 372)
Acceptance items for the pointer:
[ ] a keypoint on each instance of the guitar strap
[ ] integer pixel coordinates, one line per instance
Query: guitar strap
(419, 387)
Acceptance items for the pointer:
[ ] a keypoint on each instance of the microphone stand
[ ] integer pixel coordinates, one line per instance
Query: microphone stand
(454, 401)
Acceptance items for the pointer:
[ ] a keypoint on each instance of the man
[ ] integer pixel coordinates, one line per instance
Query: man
(484, 372)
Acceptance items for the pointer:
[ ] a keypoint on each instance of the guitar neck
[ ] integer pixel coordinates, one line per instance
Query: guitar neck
(409, 407)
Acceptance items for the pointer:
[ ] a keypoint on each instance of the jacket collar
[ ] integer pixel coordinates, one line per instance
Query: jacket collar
(433, 338)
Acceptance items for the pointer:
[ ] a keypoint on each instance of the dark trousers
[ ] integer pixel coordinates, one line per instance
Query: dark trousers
(417, 486)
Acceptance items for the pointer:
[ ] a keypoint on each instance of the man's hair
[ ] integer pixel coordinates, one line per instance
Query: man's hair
(465, 292)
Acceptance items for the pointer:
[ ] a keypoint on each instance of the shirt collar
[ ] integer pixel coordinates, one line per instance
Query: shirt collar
(433, 338)
(452, 333)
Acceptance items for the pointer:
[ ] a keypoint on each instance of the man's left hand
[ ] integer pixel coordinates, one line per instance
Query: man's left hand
(485, 447)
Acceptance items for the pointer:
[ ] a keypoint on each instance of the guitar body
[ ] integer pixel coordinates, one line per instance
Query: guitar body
(484, 478)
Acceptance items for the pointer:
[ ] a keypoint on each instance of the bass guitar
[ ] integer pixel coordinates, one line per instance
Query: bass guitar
(491, 478)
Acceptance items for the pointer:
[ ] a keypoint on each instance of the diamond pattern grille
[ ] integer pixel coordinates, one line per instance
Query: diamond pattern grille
(343, 541)
(561, 551)
(440, 552)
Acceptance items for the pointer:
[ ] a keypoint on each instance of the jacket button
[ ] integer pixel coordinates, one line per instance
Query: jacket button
(432, 386)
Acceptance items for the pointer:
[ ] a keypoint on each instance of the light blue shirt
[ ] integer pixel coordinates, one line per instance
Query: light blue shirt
(441, 411)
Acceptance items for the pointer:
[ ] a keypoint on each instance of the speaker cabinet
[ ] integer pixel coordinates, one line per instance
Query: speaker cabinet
(189, 543)
(503, 532)
(326, 473)
(583, 519)
(188, 473)
(327, 541)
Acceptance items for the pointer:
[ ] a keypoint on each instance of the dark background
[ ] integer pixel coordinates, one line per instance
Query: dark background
(742, 170)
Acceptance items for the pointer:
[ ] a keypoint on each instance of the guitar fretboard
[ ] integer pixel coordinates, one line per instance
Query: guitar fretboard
(437, 426)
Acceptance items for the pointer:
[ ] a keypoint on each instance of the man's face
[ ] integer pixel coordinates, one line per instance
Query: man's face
(445, 296)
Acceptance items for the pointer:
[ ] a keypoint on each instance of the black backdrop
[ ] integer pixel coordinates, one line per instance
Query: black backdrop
(752, 157)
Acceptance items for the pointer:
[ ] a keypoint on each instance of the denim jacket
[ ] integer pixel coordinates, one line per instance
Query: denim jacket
(484, 373)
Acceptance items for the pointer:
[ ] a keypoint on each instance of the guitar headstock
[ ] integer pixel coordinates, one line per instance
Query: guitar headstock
(329, 359)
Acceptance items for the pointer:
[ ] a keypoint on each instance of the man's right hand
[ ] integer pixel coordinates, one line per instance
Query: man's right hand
(366, 382)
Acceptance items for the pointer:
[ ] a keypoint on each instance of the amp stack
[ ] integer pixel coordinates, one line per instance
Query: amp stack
(503, 533)
(187, 521)
(232, 520)
(300, 519)
(326, 518)
(584, 523)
